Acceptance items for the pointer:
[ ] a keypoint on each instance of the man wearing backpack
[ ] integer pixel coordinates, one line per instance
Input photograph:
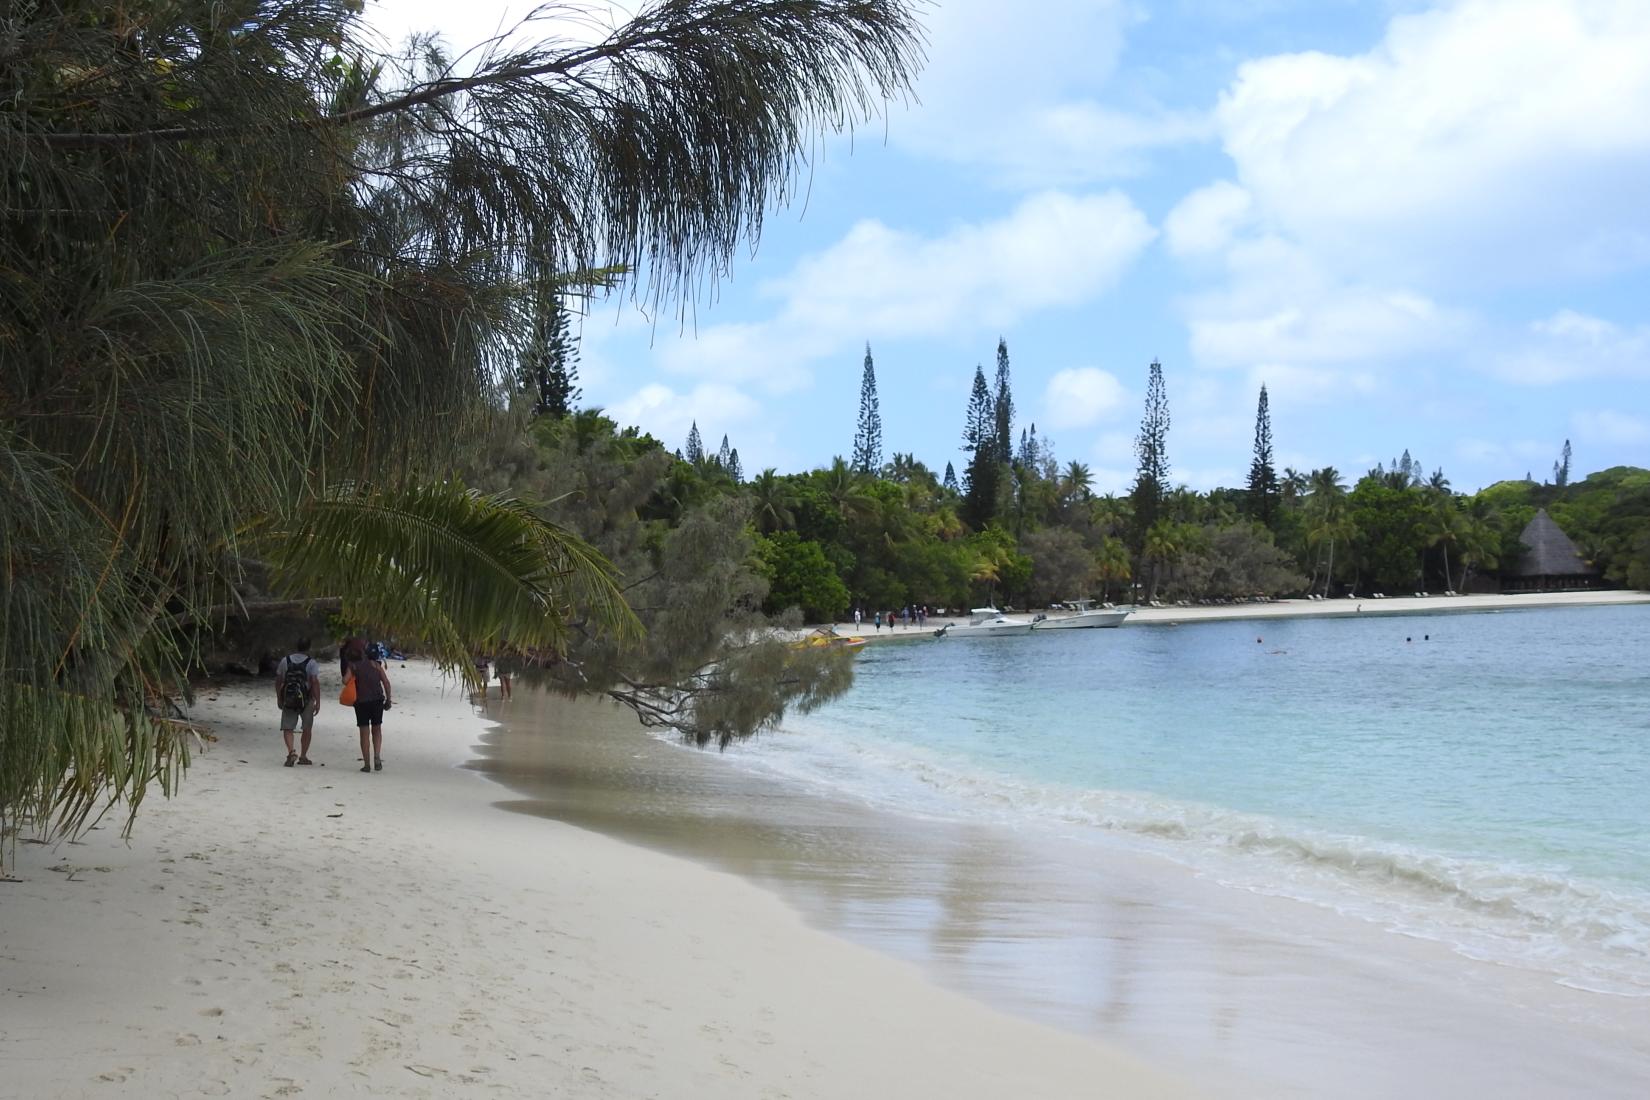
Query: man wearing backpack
(298, 693)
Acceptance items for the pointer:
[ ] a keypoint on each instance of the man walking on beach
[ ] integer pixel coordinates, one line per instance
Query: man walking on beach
(298, 693)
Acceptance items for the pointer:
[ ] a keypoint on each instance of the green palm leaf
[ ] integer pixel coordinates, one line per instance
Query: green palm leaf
(458, 569)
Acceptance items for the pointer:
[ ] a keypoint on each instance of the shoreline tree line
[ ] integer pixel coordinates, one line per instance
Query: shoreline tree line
(1021, 529)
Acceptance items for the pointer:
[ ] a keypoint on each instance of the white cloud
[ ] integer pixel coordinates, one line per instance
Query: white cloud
(463, 27)
(1610, 426)
(1569, 346)
(1080, 396)
(1205, 221)
(1292, 385)
(1533, 455)
(1018, 93)
(717, 409)
(1281, 305)
(1480, 145)
(1051, 250)
(1501, 138)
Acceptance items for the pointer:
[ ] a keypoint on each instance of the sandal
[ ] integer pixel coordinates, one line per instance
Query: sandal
(305, 760)
(378, 763)
(291, 759)
(365, 768)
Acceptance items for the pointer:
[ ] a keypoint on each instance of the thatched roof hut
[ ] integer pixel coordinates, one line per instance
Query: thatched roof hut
(1552, 560)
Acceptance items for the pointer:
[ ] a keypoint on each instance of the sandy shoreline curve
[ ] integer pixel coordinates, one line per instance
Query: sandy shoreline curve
(280, 932)
(1303, 609)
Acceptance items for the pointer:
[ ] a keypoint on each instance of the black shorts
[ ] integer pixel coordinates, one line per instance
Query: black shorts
(370, 714)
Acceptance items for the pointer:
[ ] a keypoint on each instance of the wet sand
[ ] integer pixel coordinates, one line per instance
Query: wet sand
(1244, 994)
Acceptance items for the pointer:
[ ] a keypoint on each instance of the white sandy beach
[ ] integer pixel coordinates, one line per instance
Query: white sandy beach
(278, 932)
(1300, 609)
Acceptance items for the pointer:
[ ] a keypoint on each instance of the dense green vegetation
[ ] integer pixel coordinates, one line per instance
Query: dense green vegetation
(1024, 530)
(266, 285)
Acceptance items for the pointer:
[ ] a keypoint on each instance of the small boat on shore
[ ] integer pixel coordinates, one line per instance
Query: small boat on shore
(1087, 617)
(985, 622)
(827, 638)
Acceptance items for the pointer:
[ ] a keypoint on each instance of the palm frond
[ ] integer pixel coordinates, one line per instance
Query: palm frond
(458, 569)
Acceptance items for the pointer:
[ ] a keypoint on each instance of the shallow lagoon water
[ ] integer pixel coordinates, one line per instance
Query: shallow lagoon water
(1482, 778)
(1277, 862)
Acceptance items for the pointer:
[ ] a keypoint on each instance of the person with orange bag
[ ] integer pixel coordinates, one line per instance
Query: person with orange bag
(367, 688)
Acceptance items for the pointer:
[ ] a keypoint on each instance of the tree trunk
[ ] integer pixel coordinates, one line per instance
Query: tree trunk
(1445, 548)
(1329, 573)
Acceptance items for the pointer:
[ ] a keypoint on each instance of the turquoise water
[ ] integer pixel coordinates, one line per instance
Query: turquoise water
(1482, 780)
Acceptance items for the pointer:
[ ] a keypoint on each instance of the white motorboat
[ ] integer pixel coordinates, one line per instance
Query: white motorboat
(985, 622)
(1087, 616)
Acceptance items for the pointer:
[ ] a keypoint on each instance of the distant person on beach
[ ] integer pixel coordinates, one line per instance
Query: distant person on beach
(879, 622)
(298, 693)
(481, 672)
(504, 667)
(373, 696)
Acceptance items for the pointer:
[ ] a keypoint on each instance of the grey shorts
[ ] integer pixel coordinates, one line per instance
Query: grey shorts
(289, 719)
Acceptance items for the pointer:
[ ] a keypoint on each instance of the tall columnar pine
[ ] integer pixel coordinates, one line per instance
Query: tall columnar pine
(984, 471)
(549, 369)
(1003, 409)
(867, 458)
(694, 452)
(724, 454)
(1561, 468)
(949, 483)
(735, 471)
(1263, 478)
(1030, 457)
(1152, 477)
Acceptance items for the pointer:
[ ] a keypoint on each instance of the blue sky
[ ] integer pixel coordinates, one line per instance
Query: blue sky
(1421, 225)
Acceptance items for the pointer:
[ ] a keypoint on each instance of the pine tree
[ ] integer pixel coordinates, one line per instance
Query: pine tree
(694, 452)
(724, 456)
(1151, 479)
(1561, 468)
(983, 474)
(949, 483)
(1030, 457)
(735, 471)
(868, 437)
(1263, 478)
(549, 369)
(1003, 410)
(978, 429)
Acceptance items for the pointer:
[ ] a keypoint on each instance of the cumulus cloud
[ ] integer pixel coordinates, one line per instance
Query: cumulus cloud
(1058, 127)
(1569, 346)
(1293, 385)
(1478, 146)
(1204, 221)
(1505, 138)
(1610, 426)
(1052, 250)
(717, 409)
(1081, 396)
